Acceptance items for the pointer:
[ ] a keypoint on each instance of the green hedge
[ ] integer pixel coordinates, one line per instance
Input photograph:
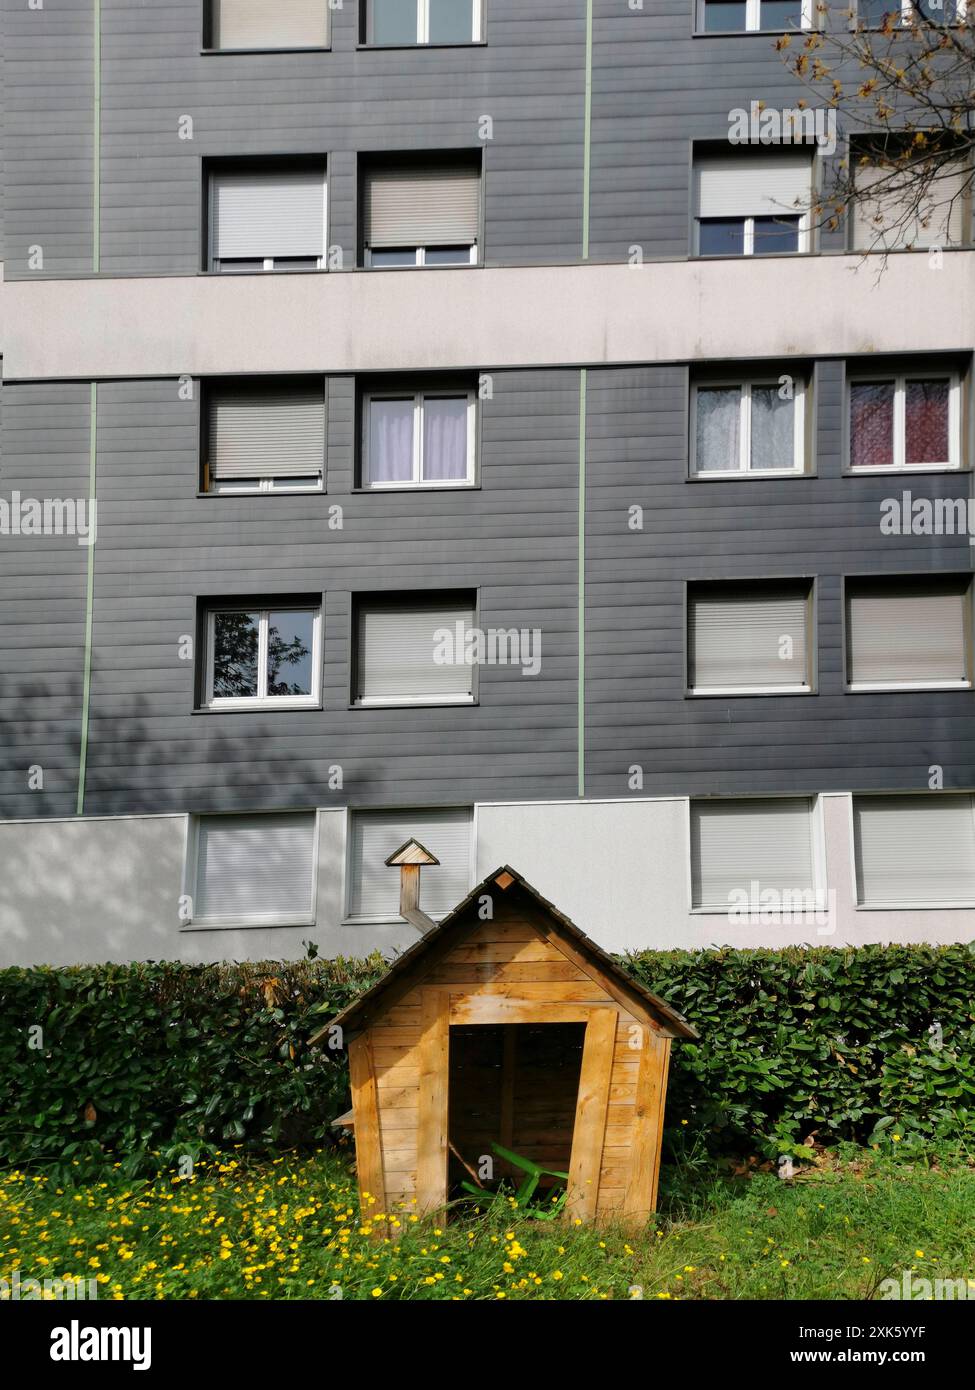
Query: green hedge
(137, 1063)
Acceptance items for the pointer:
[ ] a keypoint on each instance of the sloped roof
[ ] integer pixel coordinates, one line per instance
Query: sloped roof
(352, 1015)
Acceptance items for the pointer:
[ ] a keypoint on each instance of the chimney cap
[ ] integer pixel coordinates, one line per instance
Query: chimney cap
(411, 853)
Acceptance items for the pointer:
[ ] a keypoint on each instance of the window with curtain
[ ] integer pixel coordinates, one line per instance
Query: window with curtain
(749, 637)
(418, 438)
(254, 869)
(908, 631)
(904, 421)
(736, 16)
(891, 213)
(266, 217)
(748, 427)
(261, 24)
(753, 202)
(373, 888)
(264, 436)
(421, 213)
(753, 848)
(405, 22)
(915, 851)
(263, 656)
(412, 650)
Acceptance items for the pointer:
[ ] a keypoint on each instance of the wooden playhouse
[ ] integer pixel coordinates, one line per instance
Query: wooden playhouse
(505, 1023)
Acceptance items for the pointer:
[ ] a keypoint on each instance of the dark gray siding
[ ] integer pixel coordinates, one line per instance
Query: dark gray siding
(825, 526)
(45, 454)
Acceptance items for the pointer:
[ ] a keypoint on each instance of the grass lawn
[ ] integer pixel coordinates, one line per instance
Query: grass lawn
(291, 1228)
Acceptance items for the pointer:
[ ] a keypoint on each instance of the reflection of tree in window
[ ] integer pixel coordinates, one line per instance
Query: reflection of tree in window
(289, 645)
(235, 646)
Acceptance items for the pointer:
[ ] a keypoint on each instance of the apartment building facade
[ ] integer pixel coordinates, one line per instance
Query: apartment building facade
(422, 419)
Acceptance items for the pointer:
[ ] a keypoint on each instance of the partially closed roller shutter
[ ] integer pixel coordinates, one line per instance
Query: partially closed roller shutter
(255, 867)
(914, 851)
(907, 632)
(374, 888)
(736, 845)
(741, 638)
(890, 220)
(269, 24)
(421, 206)
(396, 651)
(268, 213)
(753, 184)
(266, 432)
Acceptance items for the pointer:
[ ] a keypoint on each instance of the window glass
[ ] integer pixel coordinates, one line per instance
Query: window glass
(290, 647)
(235, 646)
(722, 16)
(718, 424)
(776, 234)
(393, 257)
(926, 422)
(445, 438)
(872, 424)
(393, 21)
(773, 429)
(391, 441)
(781, 14)
(451, 21)
(721, 236)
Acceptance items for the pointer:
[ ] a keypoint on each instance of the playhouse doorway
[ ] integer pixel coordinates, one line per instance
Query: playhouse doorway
(517, 1085)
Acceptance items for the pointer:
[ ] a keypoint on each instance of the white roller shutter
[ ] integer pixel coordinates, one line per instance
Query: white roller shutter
(269, 24)
(256, 868)
(266, 433)
(736, 845)
(421, 206)
(396, 647)
(753, 183)
(915, 851)
(375, 835)
(748, 638)
(260, 213)
(885, 222)
(907, 633)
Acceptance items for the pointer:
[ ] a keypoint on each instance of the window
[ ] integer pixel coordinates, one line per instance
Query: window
(904, 633)
(401, 22)
(747, 851)
(900, 205)
(744, 638)
(264, 218)
(424, 214)
(375, 835)
(264, 436)
(915, 851)
(905, 422)
(752, 427)
(731, 16)
(254, 869)
(422, 438)
(258, 24)
(752, 203)
(407, 650)
(873, 14)
(263, 657)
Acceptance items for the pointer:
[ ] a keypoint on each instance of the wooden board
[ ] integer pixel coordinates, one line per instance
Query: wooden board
(590, 1123)
(431, 1166)
(368, 1134)
(641, 1188)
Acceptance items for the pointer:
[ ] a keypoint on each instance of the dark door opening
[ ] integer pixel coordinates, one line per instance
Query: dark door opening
(515, 1084)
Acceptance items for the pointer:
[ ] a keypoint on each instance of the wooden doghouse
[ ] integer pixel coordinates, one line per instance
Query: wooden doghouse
(506, 1023)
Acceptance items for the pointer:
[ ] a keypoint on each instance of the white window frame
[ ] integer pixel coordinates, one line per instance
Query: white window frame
(420, 255)
(858, 904)
(900, 380)
(423, 23)
(744, 469)
(748, 244)
(250, 487)
(817, 832)
(907, 10)
(191, 872)
(806, 687)
(419, 399)
(363, 919)
(753, 17)
(215, 264)
(263, 700)
(865, 687)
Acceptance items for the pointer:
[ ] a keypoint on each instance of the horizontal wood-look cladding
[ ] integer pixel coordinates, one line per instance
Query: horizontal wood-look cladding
(161, 547)
(824, 526)
(655, 87)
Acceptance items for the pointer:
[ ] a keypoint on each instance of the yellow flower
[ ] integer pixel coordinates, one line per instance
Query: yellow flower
(377, 1293)
(557, 1274)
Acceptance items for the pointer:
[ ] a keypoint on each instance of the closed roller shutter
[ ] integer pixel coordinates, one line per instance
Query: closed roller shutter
(261, 213)
(914, 851)
(748, 638)
(890, 221)
(421, 206)
(266, 433)
(374, 888)
(753, 184)
(738, 844)
(269, 24)
(907, 633)
(396, 650)
(255, 867)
